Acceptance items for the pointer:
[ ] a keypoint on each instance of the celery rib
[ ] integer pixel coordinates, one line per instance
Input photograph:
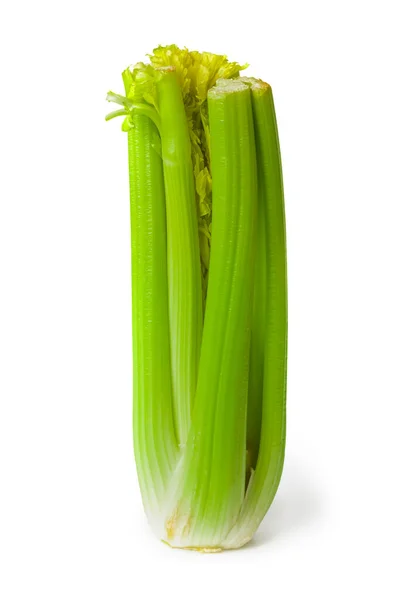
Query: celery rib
(154, 436)
(184, 271)
(207, 235)
(265, 479)
(258, 329)
(213, 476)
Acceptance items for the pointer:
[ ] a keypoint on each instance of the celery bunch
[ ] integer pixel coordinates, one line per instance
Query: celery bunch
(209, 296)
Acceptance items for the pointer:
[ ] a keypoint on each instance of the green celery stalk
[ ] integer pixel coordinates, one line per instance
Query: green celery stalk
(184, 273)
(271, 269)
(156, 448)
(212, 480)
(208, 236)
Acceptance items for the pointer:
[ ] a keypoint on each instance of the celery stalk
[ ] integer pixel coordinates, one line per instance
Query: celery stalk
(213, 473)
(258, 330)
(208, 237)
(154, 435)
(266, 476)
(184, 275)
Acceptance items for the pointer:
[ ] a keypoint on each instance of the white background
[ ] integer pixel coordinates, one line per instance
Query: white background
(71, 521)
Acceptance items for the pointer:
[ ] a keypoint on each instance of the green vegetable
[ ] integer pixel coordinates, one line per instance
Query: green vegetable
(209, 297)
